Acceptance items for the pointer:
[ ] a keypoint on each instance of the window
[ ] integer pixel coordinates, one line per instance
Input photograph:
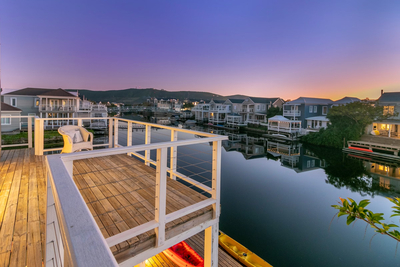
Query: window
(37, 102)
(308, 163)
(13, 101)
(388, 110)
(310, 109)
(315, 109)
(324, 110)
(258, 107)
(6, 121)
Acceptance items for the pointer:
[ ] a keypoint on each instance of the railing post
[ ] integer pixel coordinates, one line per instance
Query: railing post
(173, 156)
(211, 246)
(161, 195)
(79, 122)
(147, 141)
(129, 134)
(30, 132)
(110, 132)
(115, 132)
(39, 136)
(216, 177)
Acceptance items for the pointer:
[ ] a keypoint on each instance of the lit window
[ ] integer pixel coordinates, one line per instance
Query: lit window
(388, 110)
(37, 102)
(6, 121)
(381, 167)
(324, 110)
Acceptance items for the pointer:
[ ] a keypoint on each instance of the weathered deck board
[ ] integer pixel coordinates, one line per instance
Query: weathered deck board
(22, 208)
(120, 193)
(106, 184)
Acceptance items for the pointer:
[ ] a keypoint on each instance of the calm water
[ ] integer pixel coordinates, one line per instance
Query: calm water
(279, 204)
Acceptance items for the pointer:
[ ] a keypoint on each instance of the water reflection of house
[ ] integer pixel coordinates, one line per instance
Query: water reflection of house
(250, 147)
(294, 156)
(385, 174)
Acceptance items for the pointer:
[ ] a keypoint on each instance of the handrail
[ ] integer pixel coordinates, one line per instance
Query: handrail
(136, 148)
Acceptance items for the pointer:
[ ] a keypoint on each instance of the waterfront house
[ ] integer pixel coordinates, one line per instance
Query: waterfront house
(310, 112)
(8, 123)
(391, 105)
(52, 103)
(255, 109)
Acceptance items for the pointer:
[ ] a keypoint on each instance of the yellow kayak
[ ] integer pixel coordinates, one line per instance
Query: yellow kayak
(241, 253)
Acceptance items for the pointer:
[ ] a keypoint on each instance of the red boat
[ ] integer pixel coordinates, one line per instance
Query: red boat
(183, 255)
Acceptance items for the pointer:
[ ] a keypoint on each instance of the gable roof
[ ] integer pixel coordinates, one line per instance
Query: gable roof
(263, 99)
(390, 97)
(235, 101)
(310, 100)
(7, 107)
(217, 101)
(42, 92)
(346, 100)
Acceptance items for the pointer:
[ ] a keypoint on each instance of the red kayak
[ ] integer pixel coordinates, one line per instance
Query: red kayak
(183, 255)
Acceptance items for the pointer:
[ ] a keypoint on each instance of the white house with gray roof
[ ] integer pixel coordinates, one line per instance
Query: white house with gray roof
(391, 105)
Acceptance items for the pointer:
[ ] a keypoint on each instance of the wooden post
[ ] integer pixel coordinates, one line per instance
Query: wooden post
(129, 134)
(79, 122)
(147, 141)
(115, 132)
(216, 177)
(173, 156)
(110, 132)
(161, 195)
(39, 135)
(211, 246)
(30, 132)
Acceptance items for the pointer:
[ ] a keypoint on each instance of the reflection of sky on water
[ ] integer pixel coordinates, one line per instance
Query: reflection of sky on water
(285, 215)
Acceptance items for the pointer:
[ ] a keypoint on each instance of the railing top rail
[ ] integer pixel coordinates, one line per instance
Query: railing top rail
(137, 148)
(68, 119)
(169, 128)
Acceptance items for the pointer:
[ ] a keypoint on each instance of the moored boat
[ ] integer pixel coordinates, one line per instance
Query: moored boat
(183, 255)
(240, 252)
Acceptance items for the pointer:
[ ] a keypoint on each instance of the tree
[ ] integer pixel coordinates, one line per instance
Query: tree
(188, 105)
(347, 122)
(273, 111)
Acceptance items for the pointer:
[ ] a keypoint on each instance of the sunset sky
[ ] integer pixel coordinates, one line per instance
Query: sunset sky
(261, 48)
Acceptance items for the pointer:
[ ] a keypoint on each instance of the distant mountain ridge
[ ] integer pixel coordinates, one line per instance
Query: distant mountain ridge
(137, 96)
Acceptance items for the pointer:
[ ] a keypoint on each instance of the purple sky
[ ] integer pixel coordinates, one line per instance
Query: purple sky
(260, 48)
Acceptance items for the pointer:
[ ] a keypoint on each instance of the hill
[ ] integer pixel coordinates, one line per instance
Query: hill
(136, 96)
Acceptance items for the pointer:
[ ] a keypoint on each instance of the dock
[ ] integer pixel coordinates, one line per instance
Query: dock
(117, 196)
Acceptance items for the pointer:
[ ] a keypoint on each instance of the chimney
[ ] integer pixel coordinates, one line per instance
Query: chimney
(381, 91)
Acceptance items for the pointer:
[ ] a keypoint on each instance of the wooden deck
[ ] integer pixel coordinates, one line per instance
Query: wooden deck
(119, 192)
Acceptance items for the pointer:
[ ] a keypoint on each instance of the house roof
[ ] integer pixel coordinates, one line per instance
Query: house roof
(390, 97)
(7, 107)
(310, 100)
(236, 101)
(217, 101)
(41, 92)
(263, 99)
(317, 118)
(278, 118)
(347, 100)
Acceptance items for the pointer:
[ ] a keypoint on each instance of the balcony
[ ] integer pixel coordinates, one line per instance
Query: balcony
(120, 205)
(57, 108)
(292, 113)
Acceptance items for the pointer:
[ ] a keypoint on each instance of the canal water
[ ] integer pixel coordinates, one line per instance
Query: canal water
(276, 199)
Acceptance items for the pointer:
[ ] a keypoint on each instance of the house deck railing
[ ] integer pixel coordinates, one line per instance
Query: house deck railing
(77, 241)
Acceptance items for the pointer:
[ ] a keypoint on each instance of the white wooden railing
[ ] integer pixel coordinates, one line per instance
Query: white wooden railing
(73, 237)
(29, 122)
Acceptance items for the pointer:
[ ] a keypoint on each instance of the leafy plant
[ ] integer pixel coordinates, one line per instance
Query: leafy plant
(358, 211)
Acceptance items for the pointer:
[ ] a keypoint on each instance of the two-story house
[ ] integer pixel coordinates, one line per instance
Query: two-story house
(310, 112)
(218, 111)
(255, 109)
(49, 103)
(234, 118)
(391, 105)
